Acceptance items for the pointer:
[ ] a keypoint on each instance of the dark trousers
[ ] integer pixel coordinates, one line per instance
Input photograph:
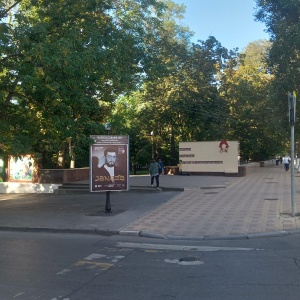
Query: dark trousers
(156, 179)
(286, 166)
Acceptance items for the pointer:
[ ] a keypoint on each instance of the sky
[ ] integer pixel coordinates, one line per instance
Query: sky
(231, 22)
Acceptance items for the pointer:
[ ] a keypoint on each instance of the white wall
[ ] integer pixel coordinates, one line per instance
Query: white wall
(20, 187)
(208, 157)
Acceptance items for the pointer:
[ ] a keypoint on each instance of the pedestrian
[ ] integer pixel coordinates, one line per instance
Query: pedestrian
(160, 166)
(154, 172)
(180, 167)
(286, 161)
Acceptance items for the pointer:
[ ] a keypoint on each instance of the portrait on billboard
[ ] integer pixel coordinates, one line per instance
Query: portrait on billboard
(109, 167)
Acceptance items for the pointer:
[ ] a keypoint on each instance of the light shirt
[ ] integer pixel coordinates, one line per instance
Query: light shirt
(286, 160)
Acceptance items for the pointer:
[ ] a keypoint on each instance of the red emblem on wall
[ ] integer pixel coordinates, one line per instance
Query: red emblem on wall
(223, 146)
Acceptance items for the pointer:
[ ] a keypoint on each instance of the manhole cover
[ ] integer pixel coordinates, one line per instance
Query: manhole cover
(271, 182)
(211, 193)
(103, 213)
(269, 178)
(271, 199)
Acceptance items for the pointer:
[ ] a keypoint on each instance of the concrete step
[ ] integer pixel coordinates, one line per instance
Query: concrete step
(65, 191)
(74, 186)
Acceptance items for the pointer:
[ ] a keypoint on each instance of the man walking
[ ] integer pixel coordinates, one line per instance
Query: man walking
(154, 172)
(286, 161)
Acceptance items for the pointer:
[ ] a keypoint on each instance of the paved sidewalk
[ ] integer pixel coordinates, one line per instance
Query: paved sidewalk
(210, 207)
(256, 205)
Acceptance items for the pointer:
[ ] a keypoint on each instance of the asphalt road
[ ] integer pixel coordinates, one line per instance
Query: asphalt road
(70, 266)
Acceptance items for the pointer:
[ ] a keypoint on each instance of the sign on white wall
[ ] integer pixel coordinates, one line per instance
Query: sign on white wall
(215, 157)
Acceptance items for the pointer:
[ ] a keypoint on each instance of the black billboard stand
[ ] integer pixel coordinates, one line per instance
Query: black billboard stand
(107, 203)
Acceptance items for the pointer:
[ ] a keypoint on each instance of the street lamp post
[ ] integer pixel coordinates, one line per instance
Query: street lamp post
(152, 137)
(292, 111)
(107, 127)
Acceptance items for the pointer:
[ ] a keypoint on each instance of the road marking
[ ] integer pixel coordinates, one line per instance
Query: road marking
(90, 262)
(181, 248)
(92, 265)
(63, 272)
(18, 295)
(94, 256)
(114, 258)
(184, 263)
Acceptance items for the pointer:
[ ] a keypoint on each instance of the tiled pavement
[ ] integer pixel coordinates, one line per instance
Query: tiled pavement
(259, 203)
(210, 207)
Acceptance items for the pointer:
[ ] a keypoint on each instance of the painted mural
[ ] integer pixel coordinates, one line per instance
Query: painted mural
(22, 168)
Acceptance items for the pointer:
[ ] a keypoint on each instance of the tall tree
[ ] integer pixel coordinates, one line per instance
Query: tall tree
(253, 120)
(185, 105)
(282, 21)
(281, 18)
(64, 63)
(161, 86)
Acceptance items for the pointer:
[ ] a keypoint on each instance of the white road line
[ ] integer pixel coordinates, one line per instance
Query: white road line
(18, 295)
(63, 272)
(184, 263)
(180, 248)
(94, 256)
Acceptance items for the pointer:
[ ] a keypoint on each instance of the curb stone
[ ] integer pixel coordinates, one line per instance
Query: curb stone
(129, 232)
(57, 230)
(267, 234)
(149, 234)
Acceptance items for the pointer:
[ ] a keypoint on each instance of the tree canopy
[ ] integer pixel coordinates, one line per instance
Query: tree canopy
(64, 63)
(281, 18)
(67, 67)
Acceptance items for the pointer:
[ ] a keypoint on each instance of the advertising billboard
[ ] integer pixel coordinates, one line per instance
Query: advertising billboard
(1, 169)
(21, 168)
(109, 161)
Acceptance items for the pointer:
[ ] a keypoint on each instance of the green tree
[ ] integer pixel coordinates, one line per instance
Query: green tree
(64, 63)
(253, 120)
(152, 113)
(281, 18)
(184, 105)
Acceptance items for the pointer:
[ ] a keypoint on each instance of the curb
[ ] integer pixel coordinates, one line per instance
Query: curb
(150, 234)
(129, 232)
(225, 237)
(58, 230)
(66, 191)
